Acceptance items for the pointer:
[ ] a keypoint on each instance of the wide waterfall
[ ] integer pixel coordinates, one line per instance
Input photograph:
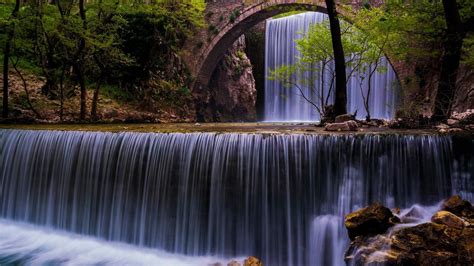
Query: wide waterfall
(278, 197)
(287, 104)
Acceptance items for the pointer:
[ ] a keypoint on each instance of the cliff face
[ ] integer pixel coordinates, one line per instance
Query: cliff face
(255, 50)
(464, 98)
(231, 95)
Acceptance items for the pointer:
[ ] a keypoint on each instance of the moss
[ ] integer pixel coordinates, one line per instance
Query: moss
(234, 15)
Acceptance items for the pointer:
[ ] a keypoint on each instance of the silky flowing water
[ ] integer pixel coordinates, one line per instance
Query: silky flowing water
(287, 104)
(279, 197)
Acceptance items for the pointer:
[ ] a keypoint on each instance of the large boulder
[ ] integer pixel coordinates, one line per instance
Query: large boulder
(434, 244)
(449, 219)
(372, 220)
(459, 207)
(447, 240)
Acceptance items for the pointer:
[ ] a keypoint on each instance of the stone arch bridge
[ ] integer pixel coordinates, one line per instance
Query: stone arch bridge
(229, 19)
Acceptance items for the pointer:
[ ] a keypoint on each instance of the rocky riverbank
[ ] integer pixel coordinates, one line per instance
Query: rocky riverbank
(381, 236)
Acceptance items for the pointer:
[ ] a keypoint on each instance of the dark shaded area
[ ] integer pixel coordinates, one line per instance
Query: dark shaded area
(450, 60)
(255, 51)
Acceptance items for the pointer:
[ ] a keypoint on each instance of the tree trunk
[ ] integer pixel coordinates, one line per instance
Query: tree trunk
(79, 64)
(340, 105)
(449, 61)
(27, 93)
(6, 58)
(61, 94)
(82, 86)
(95, 99)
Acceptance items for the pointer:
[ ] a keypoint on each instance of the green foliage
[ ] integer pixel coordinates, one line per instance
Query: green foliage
(117, 93)
(126, 43)
(241, 55)
(213, 29)
(233, 15)
(407, 29)
(316, 52)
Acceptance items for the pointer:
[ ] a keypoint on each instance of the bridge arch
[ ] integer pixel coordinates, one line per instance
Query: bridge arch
(250, 16)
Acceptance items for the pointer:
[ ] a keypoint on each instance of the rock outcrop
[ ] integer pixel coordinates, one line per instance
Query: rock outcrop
(447, 240)
(232, 94)
(459, 207)
(372, 220)
(458, 122)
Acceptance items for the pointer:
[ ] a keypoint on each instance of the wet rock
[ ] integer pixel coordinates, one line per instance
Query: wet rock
(345, 126)
(442, 126)
(449, 219)
(447, 240)
(252, 261)
(459, 207)
(372, 220)
(410, 122)
(396, 211)
(452, 122)
(464, 118)
(233, 263)
(413, 215)
(428, 236)
(344, 118)
(368, 250)
(455, 130)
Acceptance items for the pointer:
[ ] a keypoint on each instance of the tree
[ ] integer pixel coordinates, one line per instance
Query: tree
(6, 57)
(78, 62)
(369, 64)
(423, 33)
(450, 60)
(369, 38)
(340, 104)
(316, 56)
(105, 58)
(362, 55)
(82, 44)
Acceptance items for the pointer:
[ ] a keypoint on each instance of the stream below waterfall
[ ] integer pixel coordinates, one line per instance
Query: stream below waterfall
(202, 197)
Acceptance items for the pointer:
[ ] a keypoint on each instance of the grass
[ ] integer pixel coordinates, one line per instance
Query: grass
(115, 93)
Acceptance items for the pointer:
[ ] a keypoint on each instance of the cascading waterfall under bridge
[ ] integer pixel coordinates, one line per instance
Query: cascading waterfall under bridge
(278, 197)
(287, 104)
